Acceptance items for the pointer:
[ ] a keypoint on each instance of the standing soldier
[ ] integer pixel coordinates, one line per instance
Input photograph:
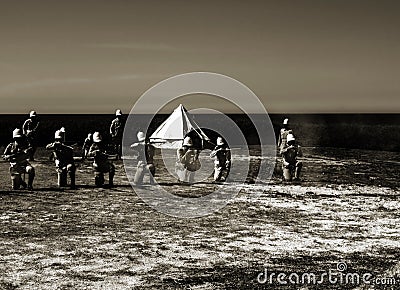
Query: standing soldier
(64, 159)
(222, 163)
(283, 134)
(17, 153)
(188, 161)
(145, 159)
(116, 132)
(101, 164)
(86, 146)
(29, 129)
(291, 166)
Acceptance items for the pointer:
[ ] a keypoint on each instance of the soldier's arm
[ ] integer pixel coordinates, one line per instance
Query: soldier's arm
(279, 139)
(181, 156)
(93, 151)
(7, 153)
(37, 125)
(284, 150)
(50, 146)
(25, 127)
(299, 152)
(213, 153)
(112, 128)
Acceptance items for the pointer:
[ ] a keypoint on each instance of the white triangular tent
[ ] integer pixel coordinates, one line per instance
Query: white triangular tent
(173, 130)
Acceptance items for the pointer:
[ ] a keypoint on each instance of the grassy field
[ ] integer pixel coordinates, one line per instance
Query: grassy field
(347, 209)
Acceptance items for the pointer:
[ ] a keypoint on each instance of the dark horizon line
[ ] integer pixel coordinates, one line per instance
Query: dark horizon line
(288, 114)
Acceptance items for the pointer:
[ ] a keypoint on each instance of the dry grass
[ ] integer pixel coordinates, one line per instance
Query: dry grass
(92, 238)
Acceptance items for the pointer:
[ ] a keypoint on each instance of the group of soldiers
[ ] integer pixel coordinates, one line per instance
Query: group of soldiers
(22, 149)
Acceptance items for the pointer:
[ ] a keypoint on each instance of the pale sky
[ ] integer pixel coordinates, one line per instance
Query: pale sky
(80, 56)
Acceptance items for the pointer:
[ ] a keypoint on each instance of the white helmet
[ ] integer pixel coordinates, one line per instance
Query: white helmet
(118, 112)
(17, 133)
(286, 121)
(58, 135)
(62, 130)
(141, 136)
(220, 141)
(32, 114)
(290, 137)
(97, 137)
(187, 141)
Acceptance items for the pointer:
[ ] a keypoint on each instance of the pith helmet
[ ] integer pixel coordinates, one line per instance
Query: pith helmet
(17, 133)
(62, 130)
(286, 121)
(141, 136)
(290, 137)
(187, 141)
(58, 135)
(97, 137)
(118, 112)
(32, 114)
(220, 141)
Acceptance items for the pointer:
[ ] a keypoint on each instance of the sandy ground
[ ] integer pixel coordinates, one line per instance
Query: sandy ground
(346, 210)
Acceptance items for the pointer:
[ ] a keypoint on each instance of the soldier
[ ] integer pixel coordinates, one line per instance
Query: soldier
(101, 164)
(290, 165)
(29, 129)
(64, 160)
(188, 161)
(145, 159)
(116, 132)
(222, 163)
(18, 153)
(86, 146)
(283, 134)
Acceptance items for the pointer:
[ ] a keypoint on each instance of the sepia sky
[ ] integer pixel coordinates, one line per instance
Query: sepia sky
(80, 56)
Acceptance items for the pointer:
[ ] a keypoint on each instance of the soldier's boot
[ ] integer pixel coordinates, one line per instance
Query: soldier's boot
(16, 181)
(99, 179)
(287, 174)
(31, 176)
(138, 179)
(62, 178)
(299, 166)
(152, 170)
(111, 178)
(72, 176)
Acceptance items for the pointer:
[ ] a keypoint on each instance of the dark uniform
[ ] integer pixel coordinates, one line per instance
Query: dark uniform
(17, 153)
(29, 128)
(222, 163)
(145, 161)
(86, 146)
(101, 164)
(187, 161)
(290, 165)
(116, 132)
(64, 160)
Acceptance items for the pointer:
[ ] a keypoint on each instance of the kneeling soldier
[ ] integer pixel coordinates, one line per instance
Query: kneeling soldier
(18, 153)
(145, 159)
(291, 166)
(187, 161)
(64, 159)
(222, 163)
(101, 164)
